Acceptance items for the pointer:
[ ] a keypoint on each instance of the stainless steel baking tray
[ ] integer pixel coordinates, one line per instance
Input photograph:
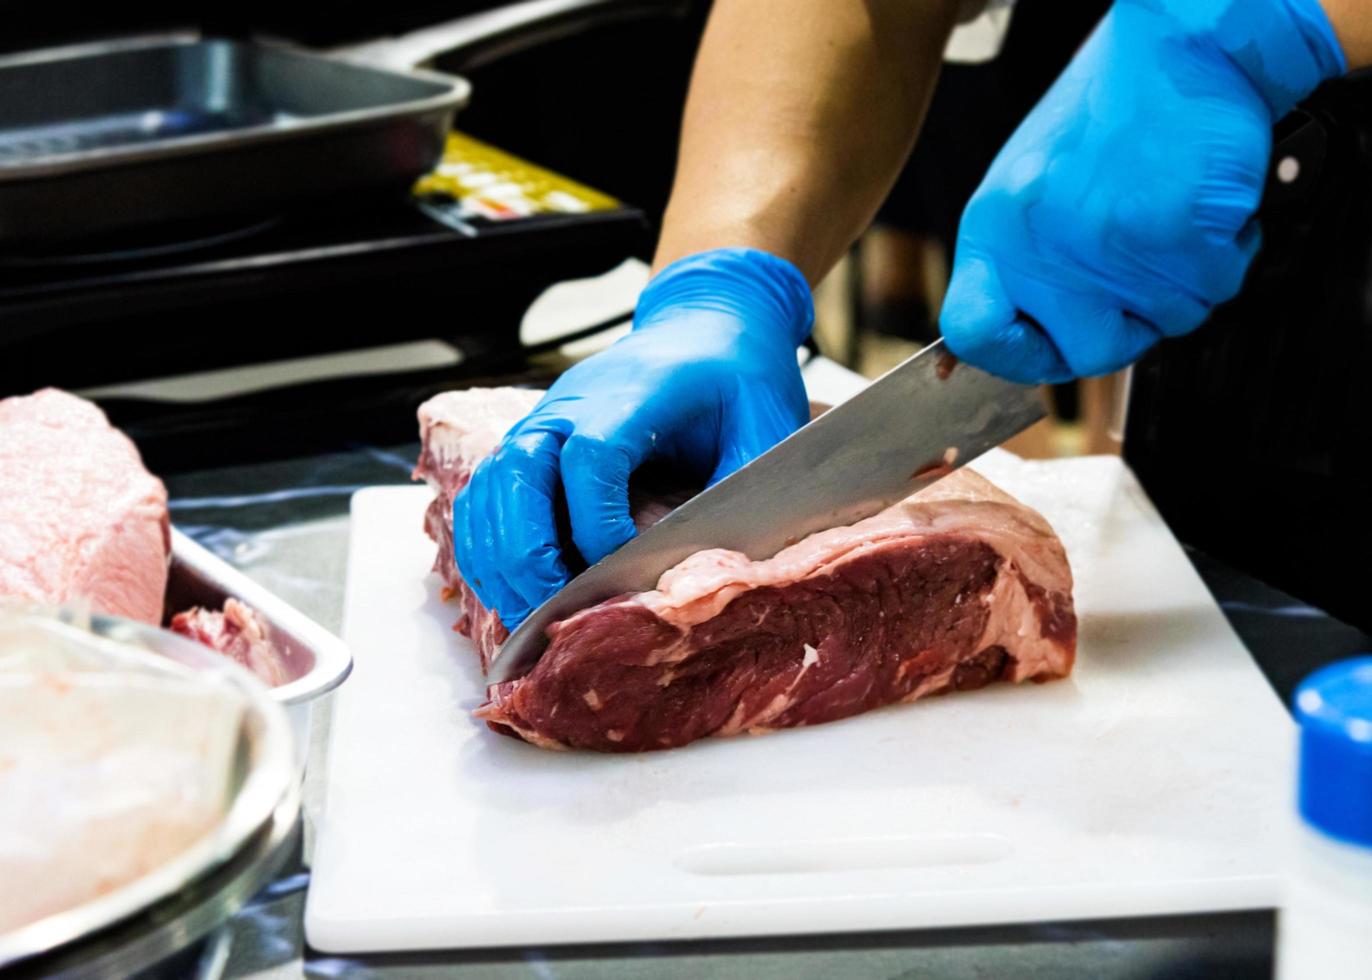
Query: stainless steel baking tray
(316, 660)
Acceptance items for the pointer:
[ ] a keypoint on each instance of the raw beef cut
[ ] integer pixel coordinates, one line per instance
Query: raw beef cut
(953, 588)
(239, 633)
(80, 518)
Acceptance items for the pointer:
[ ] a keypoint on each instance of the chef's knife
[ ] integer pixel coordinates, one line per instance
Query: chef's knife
(913, 425)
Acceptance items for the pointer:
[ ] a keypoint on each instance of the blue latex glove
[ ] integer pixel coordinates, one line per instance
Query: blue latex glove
(1121, 211)
(707, 380)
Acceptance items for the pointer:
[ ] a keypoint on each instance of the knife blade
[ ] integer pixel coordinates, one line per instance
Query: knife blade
(914, 425)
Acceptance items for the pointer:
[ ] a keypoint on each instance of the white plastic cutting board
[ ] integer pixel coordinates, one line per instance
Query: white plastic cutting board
(1153, 781)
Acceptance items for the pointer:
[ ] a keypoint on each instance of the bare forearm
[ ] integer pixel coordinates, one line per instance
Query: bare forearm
(1352, 20)
(800, 116)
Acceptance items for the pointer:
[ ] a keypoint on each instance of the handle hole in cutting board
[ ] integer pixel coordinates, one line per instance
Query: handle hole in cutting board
(845, 854)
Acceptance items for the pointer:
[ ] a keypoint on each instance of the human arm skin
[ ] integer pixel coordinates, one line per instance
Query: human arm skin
(1352, 20)
(800, 117)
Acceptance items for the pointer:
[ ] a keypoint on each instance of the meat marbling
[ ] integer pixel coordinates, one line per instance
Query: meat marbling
(953, 588)
(80, 517)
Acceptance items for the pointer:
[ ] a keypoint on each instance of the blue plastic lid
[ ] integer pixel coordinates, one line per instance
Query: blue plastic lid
(1334, 708)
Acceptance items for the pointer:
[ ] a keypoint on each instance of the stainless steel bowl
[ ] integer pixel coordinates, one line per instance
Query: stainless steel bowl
(265, 790)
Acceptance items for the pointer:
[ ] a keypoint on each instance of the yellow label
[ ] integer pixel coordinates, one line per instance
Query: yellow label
(498, 185)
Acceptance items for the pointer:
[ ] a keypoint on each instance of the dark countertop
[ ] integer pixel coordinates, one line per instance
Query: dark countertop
(285, 523)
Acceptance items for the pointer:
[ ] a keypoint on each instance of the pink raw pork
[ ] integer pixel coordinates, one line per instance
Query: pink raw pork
(80, 518)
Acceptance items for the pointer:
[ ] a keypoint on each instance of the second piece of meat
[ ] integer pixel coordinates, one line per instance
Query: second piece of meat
(239, 633)
(81, 519)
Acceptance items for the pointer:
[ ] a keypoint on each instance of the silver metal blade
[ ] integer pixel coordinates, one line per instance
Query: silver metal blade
(912, 426)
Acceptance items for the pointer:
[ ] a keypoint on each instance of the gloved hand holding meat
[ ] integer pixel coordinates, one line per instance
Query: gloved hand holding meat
(707, 380)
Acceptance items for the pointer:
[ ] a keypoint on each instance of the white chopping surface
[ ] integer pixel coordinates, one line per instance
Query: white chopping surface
(1154, 780)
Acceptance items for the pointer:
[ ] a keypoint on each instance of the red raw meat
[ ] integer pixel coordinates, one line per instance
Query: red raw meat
(953, 588)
